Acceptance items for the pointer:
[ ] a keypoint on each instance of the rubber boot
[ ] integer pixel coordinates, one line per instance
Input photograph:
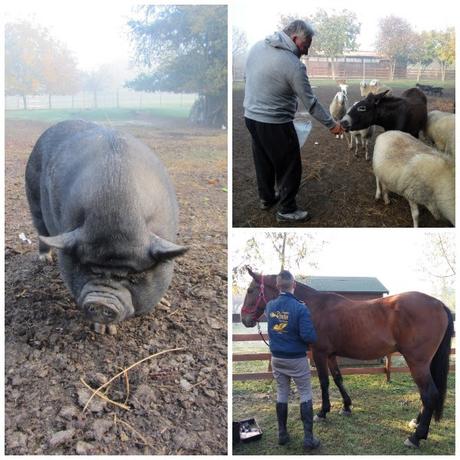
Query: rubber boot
(306, 414)
(281, 414)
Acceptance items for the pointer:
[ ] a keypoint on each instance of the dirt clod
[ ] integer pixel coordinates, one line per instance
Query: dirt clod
(61, 437)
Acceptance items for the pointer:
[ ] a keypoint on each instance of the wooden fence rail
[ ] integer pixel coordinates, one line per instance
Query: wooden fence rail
(386, 368)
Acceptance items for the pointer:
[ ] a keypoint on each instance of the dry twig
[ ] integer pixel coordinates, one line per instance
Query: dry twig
(97, 391)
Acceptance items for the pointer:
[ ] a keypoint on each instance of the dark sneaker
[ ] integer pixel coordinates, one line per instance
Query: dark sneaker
(296, 216)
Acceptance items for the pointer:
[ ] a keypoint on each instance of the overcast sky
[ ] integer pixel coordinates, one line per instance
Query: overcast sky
(259, 19)
(394, 256)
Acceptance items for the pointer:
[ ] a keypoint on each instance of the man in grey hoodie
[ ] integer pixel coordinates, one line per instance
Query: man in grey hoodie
(275, 78)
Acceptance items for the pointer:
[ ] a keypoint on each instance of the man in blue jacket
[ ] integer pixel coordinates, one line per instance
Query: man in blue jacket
(290, 330)
(275, 80)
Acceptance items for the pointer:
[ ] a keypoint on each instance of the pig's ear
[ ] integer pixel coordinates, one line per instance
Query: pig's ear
(66, 241)
(161, 249)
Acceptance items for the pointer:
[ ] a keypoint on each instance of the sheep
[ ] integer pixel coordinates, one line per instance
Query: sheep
(373, 87)
(421, 174)
(363, 135)
(440, 129)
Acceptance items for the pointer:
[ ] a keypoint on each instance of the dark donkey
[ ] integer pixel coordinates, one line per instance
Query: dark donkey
(420, 327)
(407, 113)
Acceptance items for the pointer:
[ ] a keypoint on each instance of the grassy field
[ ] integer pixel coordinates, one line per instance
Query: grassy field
(122, 114)
(378, 426)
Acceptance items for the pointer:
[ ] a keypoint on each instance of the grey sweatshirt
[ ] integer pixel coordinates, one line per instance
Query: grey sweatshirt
(275, 77)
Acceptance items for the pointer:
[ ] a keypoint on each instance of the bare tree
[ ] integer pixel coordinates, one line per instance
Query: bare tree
(276, 251)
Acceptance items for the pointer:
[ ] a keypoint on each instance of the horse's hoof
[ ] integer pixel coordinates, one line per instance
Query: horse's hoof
(317, 418)
(345, 412)
(409, 443)
(413, 424)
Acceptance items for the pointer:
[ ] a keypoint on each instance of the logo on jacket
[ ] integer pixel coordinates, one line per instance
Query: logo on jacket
(280, 327)
(280, 315)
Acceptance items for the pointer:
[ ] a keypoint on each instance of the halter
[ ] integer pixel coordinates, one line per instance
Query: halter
(260, 297)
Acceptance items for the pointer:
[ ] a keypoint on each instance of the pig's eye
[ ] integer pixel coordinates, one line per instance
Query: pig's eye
(135, 278)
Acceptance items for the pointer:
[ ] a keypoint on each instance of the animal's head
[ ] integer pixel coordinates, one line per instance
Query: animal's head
(344, 88)
(361, 114)
(261, 290)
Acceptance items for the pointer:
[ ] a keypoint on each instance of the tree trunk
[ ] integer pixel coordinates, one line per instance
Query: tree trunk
(283, 251)
(118, 98)
(443, 71)
(50, 106)
(332, 68)
(210, 110)
(419, 73)
(24, 101)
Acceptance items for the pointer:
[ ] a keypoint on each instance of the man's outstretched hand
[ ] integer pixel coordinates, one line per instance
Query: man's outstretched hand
(337, 129)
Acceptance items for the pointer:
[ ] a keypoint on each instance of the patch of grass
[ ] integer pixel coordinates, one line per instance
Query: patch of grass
(378, 426)
(122, 114)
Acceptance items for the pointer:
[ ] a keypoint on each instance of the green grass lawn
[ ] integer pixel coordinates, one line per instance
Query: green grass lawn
(122, 114)
(378, 426)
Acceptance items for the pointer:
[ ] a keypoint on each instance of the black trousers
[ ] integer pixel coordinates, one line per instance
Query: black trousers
(276, 152)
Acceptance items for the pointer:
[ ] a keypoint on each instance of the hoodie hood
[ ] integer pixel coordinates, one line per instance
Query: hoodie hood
(282, 41)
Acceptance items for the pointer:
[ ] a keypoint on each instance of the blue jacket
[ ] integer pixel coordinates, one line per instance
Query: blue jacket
(290, 328)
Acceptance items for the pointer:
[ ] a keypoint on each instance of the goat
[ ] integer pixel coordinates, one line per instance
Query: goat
(373, 87)
(363, 135)
(421, 174)
(339, 104)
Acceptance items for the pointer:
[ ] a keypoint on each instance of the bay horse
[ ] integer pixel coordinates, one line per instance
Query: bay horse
(418, 326)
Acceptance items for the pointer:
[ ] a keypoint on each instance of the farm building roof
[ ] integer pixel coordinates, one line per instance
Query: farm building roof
(344, 284)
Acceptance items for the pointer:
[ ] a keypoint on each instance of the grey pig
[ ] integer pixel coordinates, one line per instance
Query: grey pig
(105, 202)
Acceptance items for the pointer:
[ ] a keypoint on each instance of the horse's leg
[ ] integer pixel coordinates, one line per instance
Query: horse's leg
(323, 375)
(429, 394)
(338, 380)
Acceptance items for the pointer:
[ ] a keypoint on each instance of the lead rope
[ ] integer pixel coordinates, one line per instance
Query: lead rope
(260, 333)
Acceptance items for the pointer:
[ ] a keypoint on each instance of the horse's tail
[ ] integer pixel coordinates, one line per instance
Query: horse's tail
(440, 366)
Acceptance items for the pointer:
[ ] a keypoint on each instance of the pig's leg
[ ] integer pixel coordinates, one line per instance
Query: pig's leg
(44, 251)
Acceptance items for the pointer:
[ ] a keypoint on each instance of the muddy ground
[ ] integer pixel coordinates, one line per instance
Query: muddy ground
(177, 403)
(336, 187)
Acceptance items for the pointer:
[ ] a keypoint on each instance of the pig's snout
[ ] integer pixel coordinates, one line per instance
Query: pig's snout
(104, 310)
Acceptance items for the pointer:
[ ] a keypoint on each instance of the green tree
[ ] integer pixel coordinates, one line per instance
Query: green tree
(335, 34)
(60, 75)
(424, 51)
(396, 40)
(184, 49)
(23, 49)
(445, 49)
(35, 63)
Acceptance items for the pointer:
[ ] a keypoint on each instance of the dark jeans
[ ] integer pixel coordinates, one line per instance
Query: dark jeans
(276, 152)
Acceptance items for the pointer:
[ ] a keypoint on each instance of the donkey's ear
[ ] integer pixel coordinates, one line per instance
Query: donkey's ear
(380, 96)
(253, 274)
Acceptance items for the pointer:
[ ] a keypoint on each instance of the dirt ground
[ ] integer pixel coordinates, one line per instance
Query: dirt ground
(177, 403)
(336, 188)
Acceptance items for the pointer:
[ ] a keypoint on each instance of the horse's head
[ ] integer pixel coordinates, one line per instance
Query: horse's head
(261, 290)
